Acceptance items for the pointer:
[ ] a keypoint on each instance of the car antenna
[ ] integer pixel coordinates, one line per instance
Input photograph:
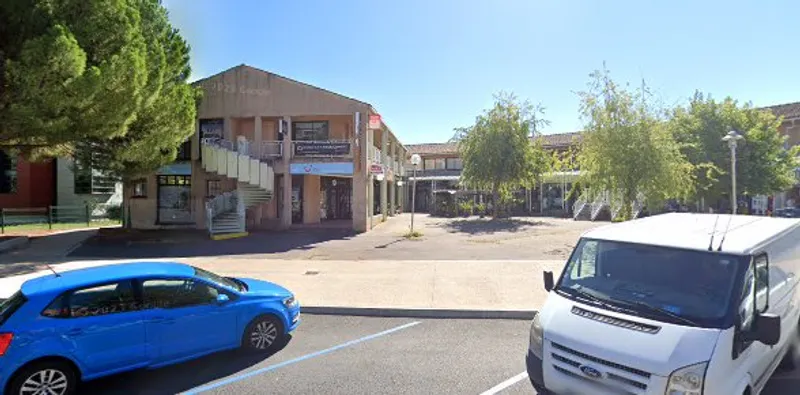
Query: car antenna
(52, 270)
(714, 230)
(725, 233)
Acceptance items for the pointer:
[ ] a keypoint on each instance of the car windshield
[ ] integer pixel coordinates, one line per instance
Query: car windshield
(217, 279)
(10, 305)
(668, 284)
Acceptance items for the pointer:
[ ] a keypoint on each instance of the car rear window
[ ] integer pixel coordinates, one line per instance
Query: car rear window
(10, 305)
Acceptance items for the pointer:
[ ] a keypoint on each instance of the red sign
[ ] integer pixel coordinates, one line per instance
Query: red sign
(375, 121)
(376, 168)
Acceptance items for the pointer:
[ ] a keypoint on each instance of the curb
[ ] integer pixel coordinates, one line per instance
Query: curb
(14, 243)
(419, 313)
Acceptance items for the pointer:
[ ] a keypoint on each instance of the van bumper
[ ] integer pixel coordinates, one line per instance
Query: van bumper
(536, 373)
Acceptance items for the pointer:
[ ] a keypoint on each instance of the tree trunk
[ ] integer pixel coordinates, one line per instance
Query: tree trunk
(496, 201)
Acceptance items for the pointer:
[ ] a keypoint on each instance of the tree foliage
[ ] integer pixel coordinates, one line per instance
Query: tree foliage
(627, 150)
(102, 73)
(498, 152)
(763, 165)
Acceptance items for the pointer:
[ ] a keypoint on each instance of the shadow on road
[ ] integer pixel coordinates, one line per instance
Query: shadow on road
(489, 226)
(783, 382)
(177, 378)
(157, 244)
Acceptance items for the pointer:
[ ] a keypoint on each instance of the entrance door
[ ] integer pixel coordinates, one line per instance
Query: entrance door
(297, 199)
(338, 192)
(174, 200)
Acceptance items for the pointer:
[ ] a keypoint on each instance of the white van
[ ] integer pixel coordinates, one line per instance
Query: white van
(674, 304)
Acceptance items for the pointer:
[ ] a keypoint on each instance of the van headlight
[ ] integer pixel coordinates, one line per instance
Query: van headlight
(537, 337)
(687, 380)
(290, 302)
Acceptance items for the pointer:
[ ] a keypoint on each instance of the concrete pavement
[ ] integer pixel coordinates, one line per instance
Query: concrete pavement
(456, 285)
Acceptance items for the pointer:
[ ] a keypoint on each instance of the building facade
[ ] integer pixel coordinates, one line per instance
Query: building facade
(269, 152)
(440, 172)
(25, 184)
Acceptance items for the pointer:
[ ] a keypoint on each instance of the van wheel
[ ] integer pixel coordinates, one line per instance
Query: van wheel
(46, 377)
(263, 334)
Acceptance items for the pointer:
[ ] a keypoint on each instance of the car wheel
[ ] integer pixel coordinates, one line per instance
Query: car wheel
(263, 334)
(47, 377)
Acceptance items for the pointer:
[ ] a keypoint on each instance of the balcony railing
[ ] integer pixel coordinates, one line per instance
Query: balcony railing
(322, 148)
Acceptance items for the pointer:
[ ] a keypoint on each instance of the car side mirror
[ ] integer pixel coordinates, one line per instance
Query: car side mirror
(222, 299)
(766, 329)
(548, 281)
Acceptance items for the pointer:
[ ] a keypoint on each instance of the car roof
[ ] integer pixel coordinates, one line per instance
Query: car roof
(693, 231)
(77, 278)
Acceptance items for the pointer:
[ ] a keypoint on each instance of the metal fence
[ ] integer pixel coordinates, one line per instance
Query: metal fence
(51, 215)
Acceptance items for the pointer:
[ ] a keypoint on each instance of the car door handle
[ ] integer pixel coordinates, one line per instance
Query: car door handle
(75, 332)
(162, 320)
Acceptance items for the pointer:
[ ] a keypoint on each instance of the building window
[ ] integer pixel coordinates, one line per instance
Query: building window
(317, 130)
(139, 188)
(8, 173)
(174, 199)
(91, 182)
(454, 164)
(435, 164)
(185, 151)
(213, 188)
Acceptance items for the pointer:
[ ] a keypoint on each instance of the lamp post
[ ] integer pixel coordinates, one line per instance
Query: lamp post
(732, 138)
(415, 161)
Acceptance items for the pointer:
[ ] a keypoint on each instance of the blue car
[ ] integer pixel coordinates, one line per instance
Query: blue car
(83, 324)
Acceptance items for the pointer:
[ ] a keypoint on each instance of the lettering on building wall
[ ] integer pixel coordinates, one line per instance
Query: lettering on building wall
(215, 88)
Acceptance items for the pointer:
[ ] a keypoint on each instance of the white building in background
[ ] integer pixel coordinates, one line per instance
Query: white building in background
(77, 189)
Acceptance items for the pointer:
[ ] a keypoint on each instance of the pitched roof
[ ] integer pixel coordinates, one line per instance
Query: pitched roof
(787, 110)
(560, 139)
(432, 148)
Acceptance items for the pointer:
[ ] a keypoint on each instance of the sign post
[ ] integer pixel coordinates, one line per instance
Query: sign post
(375, 121)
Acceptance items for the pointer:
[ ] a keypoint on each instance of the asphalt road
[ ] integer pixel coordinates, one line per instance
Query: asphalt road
(361, 355)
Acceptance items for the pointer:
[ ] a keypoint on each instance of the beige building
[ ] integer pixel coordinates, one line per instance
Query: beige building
(271, 152)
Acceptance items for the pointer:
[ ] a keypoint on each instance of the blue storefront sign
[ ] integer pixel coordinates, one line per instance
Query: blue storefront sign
(323, 169)
(176, 169)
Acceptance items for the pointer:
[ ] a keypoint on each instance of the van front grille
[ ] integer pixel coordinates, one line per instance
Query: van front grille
(613, 375)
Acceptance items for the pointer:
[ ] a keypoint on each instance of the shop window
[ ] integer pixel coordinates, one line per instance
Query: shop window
(139, 188)
(454, 164)
(213, 188)
(317, 130)
(8, 173)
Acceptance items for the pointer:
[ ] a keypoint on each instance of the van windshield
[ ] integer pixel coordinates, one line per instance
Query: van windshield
(680, 286)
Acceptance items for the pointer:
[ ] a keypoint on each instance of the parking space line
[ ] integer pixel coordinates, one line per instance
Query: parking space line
(240, 377)
(505, 384)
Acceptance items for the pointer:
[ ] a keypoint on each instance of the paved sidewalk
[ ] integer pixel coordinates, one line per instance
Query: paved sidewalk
(450, 284)
(52, 248)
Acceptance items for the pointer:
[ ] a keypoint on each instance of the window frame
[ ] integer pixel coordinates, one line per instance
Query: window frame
(457, 160)
(64, 298)
(208, 188)
(142, 194)
(10, 174)
(184, 151)
(324, 126)
(739, 344)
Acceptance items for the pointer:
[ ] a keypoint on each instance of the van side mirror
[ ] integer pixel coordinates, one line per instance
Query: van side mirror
(766, 329)
(548, 281)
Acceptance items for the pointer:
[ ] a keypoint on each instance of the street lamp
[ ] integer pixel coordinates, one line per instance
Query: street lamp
(415, 161)
(732, 138)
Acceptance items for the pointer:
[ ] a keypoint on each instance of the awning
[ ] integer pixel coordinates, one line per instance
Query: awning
(434, 178)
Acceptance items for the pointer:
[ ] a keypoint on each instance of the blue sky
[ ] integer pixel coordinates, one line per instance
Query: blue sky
(431, 65)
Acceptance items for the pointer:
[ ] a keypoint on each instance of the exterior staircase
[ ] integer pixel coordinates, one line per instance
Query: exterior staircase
(225, 214)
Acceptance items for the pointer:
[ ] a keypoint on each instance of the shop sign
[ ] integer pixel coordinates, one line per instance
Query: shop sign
(375, 121)
(321, 148)
(376, 168)
(324, 169)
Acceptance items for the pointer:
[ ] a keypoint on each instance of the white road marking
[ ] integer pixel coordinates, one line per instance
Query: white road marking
(505, 384)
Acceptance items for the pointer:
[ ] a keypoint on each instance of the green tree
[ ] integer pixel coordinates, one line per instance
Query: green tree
(763, 165)
(627, 150)
(84, 71)
(500, 151)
